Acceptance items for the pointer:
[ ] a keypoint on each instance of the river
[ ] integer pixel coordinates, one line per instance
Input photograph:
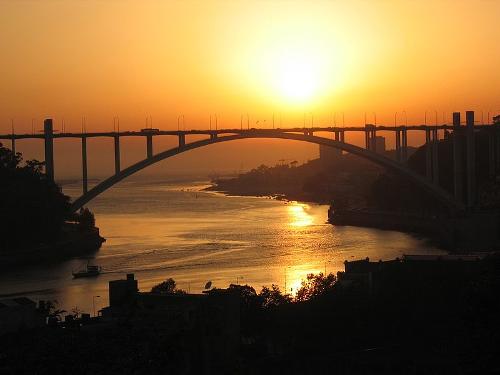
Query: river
(158, 230)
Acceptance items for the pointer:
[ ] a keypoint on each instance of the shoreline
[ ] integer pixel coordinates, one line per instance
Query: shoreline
(453, 234)
(72, 243)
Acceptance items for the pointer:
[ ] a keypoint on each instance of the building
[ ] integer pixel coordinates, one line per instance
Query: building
(408, 271)
(207, 325)
(17, 314)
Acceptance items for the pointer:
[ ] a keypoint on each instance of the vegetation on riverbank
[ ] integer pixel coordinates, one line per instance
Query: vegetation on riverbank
(35, 214)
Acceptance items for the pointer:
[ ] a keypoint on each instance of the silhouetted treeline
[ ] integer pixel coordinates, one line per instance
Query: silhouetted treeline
(32, 207)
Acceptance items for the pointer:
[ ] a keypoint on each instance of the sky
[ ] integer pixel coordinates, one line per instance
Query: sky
(312, 61)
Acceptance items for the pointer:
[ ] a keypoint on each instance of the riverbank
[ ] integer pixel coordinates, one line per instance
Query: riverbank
(468, 232)
(72, 242)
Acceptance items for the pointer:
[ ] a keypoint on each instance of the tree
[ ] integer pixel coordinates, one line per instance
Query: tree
(167, 287)
(86, 219)
(315, 286)
(272, 297)
(32, 207)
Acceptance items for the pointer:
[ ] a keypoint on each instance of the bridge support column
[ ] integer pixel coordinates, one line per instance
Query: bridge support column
(471, 159)
(428, 154)
(214, 136)
(497, 141)
(13, 145)
(84, 165)
(367, 137)
(397, 133)
(435, 157)
(373, 139)
(404, 148)
(337, 135)
(458, 178)
(342, 136)
(117, 154)
(49, 148)
(149, 146)
(182, 140)
(491, 149)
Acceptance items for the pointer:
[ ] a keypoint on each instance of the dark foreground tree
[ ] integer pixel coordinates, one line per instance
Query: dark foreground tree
(167, 287)
(32, 207)
(315, 286)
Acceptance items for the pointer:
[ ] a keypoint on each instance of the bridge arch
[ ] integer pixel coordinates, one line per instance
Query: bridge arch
(441, 194)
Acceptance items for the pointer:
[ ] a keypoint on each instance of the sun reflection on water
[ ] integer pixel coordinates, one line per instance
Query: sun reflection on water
(298, 215)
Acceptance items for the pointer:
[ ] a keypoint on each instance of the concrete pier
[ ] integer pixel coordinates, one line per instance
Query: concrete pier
(149, 146)
(49, 148)
(404, 147)
(491, 153)
(13, 145)
(398, 144)
(497, 141)
(428, 154)
(117, 154)
(435, 157)
(84, 165)
(471, 159)
(182, 140)
(367, 137)
(458, 178)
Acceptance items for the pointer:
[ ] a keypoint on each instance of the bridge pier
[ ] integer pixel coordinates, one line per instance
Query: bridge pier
(404, 148)
(471, 159)
(428, 154)
(117, 154)
(497, 138)
(342, 136)
(458, 179)
(370, 137)
(491, 152)
(13, 145)
(84, 165)
(182, 140)
(435, 157)
(337, 135)
(397, 133)
(213, 136)
(149, 146)
(49, 148)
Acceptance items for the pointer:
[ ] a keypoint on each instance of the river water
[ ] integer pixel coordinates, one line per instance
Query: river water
(158, 230)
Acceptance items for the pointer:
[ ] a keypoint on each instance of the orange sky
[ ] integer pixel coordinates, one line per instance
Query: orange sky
(66, 59)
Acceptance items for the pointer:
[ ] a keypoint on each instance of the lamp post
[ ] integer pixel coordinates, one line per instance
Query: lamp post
(93, 302)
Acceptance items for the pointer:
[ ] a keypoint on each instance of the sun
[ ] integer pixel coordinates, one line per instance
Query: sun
(297, 78)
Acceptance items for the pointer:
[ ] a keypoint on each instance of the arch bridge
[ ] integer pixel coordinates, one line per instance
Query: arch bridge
(429, 182)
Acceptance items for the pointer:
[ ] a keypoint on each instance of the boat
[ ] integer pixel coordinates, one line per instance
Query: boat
(89, 271)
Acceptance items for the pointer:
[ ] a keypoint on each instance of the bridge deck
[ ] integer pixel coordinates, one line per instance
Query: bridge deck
(230, 131)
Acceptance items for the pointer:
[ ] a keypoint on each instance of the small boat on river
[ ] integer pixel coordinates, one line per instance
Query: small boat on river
(89, 271)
